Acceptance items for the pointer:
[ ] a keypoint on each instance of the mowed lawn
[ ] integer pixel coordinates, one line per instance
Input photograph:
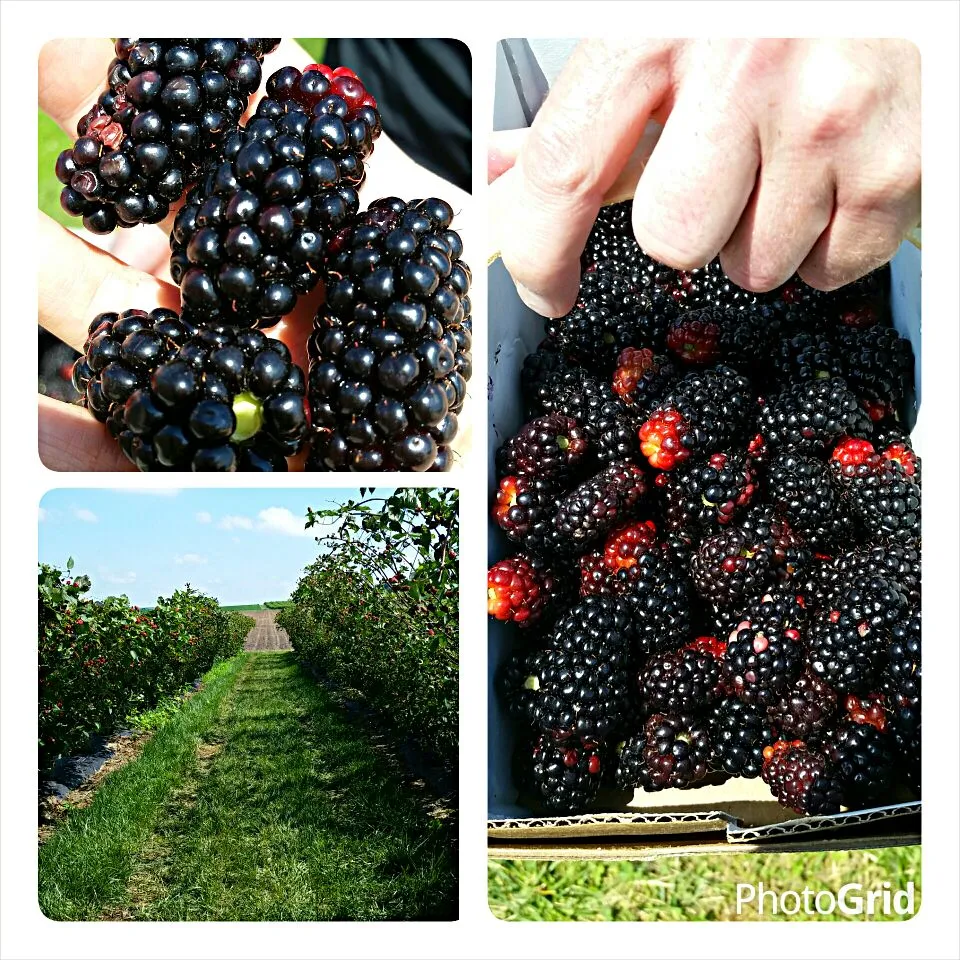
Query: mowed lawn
(687, 888)
(259, 801)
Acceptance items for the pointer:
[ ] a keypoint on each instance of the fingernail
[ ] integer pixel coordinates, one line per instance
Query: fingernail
(535, 302)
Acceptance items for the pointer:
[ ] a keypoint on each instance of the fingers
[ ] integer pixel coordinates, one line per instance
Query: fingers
(503, 148)
(72, 74)
(77, 281)
(71, 439)
(580, 140)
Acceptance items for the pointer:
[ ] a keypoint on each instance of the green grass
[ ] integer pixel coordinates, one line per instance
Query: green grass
(285, 812)
(685, 888)
(243, 606)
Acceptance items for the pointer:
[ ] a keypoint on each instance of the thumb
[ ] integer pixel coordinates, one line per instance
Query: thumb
(502, 150)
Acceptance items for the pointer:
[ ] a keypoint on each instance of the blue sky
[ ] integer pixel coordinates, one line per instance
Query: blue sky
(240, 546)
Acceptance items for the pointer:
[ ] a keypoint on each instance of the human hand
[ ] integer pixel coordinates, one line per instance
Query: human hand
(783, 156)
(83, 275)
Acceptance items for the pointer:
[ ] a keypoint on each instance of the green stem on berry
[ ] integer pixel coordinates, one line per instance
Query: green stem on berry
(249, 413)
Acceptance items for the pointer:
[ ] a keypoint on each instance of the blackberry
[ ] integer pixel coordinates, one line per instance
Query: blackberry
(847, 646)
(694, 337)
(678, 750)
(765, 524)
(612, 242)
(524, 510)
(604, 419)
(224, 400)
(641, 379)
(903, 674)
(168, 109)
(801, 778)
(802, 490)
(625, 545)
(516, 592)
(905, 728)
(739, 732)
(122, 350)
(566, 772)
(602, 322)
(704, 495)
(863, 758)
(878, 365)
(549, 447)
(682, 681)
(808, 417)
(883, 499)
(251, 236)
(632, 772)
(390, 352)
(806, 710)
(763, 660)
(600, 503)
(537, 370)
(803, 358)
(518, 682)
(730, 567)
(654, 590)
(709, 286)
(780, 607)
(702, 412)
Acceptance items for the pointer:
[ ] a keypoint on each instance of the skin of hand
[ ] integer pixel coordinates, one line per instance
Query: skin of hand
(781, 156)
(81, 276)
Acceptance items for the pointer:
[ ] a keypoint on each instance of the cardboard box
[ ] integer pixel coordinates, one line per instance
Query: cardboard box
(739, 815)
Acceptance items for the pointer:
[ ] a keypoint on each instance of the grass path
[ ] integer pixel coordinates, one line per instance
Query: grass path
(260, 801)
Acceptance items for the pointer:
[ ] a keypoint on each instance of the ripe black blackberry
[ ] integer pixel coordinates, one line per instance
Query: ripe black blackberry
(731, 567)
(738, 734)
(764, 523)
(863, 759)
(524, 510)
(802, 358)
(702, 412)
(847, 646)
(612, 243)
(549, 447)
(704, 495)
(678, 750)
(225, 400)
(884, 500)
(878, 365)
(687, 680)
(605, 420)
(518, 683)
(121, 352)
(252, 234)
(602, 322)
(780, 606)
(801, 778)
(610, 497)
(632, 771)
(806, 710)
(538, 368)
(802, 490)
(763, 660)
(168, 109)
(566, 772)
(902, 680)
(808, 417)
(390, 351)
(905, 728)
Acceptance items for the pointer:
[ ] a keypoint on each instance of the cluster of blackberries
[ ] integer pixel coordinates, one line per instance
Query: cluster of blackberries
(272, 210)
(716, 557)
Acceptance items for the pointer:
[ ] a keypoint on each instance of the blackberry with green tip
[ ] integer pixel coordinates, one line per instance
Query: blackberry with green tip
(763, 660)
(808, 417)
(801, 778)
(803, 358)
(705, 495)
(863, 759)
(739, 732)
(678, 750)
(390, 352)
(227, 400)
(681, 681)
(632, 772)
(703, 412)
(566, 772)
(550, 447)
(255, 232)
(806, 709)
(587, 512)
(518, 682)
(168, 109)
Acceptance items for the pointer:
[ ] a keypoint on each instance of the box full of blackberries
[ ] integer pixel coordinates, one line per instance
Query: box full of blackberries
(704, 581)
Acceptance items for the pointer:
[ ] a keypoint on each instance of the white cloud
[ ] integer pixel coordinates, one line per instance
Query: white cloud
(190, 558)
(234, 522)
(119, 579)
(280, 520)
(148, 491)
(82, 513)
(204, 517)
(41, 514)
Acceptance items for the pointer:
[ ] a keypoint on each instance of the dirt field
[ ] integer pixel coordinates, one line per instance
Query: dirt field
(266, 636)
